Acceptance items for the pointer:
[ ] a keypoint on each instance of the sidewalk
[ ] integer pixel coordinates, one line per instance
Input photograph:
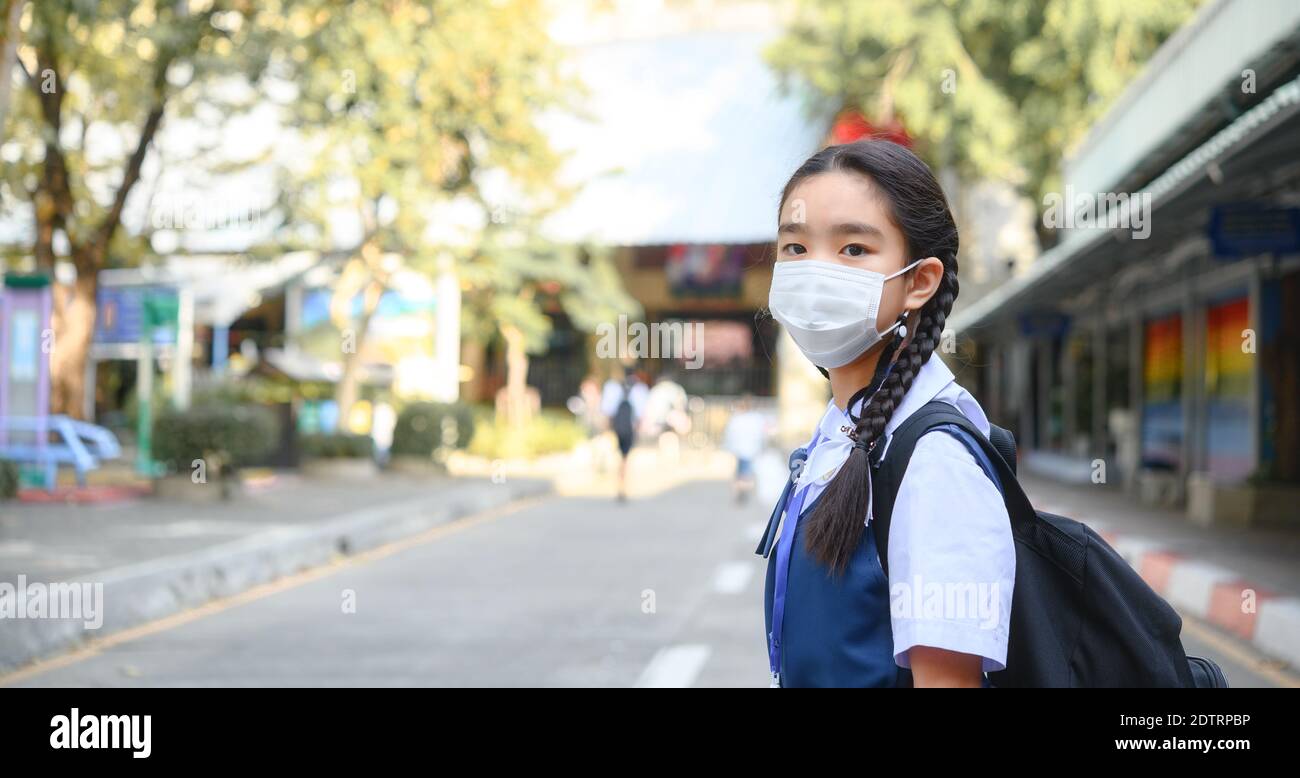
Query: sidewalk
(1208, 572)
(156, 557)
(590, 469)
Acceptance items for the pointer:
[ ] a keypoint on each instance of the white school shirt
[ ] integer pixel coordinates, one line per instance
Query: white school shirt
(952, 561)
(612, 396)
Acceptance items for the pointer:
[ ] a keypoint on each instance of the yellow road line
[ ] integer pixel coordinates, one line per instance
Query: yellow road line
(97, 645)
(1233, 650)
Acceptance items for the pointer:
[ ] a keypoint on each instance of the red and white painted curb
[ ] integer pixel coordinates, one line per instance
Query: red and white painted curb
(1267, 619)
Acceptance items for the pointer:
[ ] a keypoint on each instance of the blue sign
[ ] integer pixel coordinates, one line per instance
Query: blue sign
(23, 346)
(1242, 229)
(121, 314)
(1044, 324)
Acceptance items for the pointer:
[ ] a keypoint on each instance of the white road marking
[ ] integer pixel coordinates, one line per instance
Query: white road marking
(674, 667)
(732, 577)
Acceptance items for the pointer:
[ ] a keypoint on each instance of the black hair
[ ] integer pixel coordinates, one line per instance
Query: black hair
(918, 207)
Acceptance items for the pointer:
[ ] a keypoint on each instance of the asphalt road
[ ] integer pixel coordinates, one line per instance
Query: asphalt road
(662, 591)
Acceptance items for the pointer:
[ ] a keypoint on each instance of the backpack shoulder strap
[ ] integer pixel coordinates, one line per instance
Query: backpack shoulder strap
(1005, 443)
(887, 469)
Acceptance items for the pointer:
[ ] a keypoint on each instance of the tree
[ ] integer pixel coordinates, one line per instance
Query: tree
(514, 276)
(989, 88)
(102, 77)
(11, 14)
(410, 111)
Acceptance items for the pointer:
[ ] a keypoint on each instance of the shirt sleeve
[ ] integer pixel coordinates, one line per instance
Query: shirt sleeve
(639, 397)
(952, 561)
(610, 398)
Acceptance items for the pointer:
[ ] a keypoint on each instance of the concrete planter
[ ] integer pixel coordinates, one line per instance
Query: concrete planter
(344, 468)
(181, 487)
(416, 466)
(1160, 488)
(1210, 503)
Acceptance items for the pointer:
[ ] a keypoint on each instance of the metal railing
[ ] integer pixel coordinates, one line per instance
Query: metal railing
(77, 443)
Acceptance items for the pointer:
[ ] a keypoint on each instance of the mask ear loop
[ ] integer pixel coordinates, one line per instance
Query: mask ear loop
(883, 368)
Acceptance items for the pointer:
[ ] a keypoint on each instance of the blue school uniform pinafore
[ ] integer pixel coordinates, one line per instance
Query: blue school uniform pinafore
(836, 630)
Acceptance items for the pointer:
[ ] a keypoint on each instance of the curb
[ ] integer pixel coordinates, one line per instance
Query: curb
(1214, 594)
(146, 591)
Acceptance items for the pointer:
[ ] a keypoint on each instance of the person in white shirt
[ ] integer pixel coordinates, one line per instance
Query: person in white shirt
(865, 277)
(666, 419)
(743, 438)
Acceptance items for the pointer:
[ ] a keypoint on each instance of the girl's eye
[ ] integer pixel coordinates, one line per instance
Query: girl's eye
(793, 248)
(855, 250)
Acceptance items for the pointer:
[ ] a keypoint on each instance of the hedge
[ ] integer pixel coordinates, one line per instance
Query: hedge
(236, 436)
(425, 426)
(336, 446)
(8, 480)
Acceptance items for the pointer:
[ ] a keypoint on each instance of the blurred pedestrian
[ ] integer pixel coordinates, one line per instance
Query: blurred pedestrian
(743, 437)
(585, 405)
(382, 422)
(666, 420)
(623, 403)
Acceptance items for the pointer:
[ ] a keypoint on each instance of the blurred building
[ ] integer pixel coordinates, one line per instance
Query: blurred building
(1167, 349)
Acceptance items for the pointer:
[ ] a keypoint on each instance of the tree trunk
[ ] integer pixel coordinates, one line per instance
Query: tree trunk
(11, 14)
(516, 396)
(348, 390)
(74, 329)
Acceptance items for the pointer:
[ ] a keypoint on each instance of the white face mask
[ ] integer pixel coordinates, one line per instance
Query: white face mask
(829, 309)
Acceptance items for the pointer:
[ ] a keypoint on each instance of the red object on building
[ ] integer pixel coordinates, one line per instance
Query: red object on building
(851, 125)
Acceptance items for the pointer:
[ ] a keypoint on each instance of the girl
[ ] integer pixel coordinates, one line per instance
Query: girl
(865, 276)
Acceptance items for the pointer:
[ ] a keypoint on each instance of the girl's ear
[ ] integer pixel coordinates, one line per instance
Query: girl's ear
(923, 282)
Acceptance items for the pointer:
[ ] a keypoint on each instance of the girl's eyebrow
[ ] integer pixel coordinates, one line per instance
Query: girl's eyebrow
(845, 228)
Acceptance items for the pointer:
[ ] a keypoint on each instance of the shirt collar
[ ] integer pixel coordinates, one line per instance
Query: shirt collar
(932, 380)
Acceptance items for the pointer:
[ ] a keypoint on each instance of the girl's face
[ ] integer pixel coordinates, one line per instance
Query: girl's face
(841, 217)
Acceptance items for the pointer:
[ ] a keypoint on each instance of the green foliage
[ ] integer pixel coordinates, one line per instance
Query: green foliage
(1027, 77)
(510, 279)
(337, 446)
(8, 480)
(258, 390)
(401, 108)
(423, 427)
(223, 436)
(410, 109)
(549, 432)
(116, 68)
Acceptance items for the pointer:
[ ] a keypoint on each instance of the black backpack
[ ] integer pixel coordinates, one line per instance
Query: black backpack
(1081, 616)
(623, 414)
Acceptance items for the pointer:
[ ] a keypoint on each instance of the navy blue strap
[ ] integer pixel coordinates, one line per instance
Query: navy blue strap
(887, 471)
(976, 451)
(765, 543)
(784, 548)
